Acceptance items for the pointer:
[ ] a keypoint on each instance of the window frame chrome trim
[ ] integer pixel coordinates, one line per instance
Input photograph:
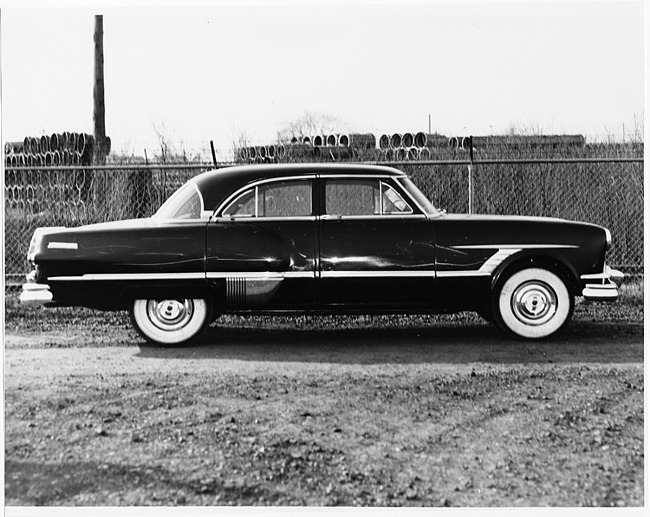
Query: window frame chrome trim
(218, 217)
(218, 212)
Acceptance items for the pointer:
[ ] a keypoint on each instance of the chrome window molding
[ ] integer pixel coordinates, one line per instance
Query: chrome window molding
(217, 213)
(253, 220)
(256, 184)
(334, 217)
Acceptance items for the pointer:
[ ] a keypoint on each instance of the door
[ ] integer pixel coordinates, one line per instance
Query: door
(376, 249)
(261, 250)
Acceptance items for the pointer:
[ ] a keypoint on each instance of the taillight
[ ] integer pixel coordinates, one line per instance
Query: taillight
(35, 243)
(608, 239)
(31, 253)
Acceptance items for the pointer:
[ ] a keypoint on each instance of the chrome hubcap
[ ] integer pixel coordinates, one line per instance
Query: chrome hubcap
(534, 303)
(170, 315)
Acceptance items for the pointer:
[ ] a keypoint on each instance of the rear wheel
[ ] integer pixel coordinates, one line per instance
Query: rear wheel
(171, 321)
(533, 303)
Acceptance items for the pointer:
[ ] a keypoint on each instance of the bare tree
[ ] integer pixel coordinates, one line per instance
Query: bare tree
(164, 141)
(310, 123)
(239, 141)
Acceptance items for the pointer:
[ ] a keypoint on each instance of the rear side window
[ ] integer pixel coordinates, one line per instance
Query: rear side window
(274, 199)
(186, 203)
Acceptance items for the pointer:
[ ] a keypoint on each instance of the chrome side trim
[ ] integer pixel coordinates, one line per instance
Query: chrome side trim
(184, 276)
(518, 247)
(378, 274)
(488, 267)
(54, 245)
(497, 259)
(448, 274)
(129, 276)
(261, 275)
(270, 275)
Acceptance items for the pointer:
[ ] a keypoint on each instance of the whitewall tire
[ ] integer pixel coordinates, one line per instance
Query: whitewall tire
(533, 303)
(171, 321)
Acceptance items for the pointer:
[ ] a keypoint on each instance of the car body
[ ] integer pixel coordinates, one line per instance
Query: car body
(319, 238)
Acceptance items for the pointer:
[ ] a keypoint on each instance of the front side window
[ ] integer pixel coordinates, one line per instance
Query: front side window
(273, 199)
(351, 197)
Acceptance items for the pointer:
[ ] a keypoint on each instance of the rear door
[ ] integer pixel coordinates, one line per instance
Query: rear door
(376, 248)
(261, 249)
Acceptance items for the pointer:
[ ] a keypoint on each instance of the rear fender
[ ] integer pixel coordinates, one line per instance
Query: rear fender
(166, 291)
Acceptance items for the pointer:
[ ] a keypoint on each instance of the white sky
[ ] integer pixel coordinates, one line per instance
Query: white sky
(214, 72)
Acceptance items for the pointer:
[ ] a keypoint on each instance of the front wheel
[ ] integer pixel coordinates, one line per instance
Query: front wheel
(171, 321)
(533, 303)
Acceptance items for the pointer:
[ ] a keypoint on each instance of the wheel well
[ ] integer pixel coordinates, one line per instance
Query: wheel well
(545, 262)
(161, 291)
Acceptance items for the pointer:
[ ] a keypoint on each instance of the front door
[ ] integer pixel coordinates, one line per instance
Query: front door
(376, 249)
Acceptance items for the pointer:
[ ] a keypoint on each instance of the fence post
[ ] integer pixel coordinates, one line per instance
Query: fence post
(470, 178)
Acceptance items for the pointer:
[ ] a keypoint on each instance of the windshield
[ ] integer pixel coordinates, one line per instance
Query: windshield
(421, 199)
(185, 203)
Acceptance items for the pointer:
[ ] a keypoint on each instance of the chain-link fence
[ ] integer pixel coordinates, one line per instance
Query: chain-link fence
(607, 191)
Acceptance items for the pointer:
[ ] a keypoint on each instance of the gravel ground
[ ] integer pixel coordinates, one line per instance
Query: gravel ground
(406, 411)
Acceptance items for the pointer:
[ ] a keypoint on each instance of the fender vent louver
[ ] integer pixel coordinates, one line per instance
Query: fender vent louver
(235, 291)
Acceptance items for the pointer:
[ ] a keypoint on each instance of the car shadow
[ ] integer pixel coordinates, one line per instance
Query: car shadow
(581, 342)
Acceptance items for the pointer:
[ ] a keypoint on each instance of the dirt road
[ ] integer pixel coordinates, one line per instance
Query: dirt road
(344, 413)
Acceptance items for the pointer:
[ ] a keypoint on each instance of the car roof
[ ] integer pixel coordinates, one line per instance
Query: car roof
(216, 185)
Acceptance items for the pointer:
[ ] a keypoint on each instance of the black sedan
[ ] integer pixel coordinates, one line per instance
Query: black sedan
(319, 239)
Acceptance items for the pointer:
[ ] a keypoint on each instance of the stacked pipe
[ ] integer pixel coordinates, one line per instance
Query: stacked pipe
(57, 149)
(410, 146)
(417, 146)
(320, 147)
(517, 141)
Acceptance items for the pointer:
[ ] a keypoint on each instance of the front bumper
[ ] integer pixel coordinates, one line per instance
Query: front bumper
(35, 294)
(602, 287)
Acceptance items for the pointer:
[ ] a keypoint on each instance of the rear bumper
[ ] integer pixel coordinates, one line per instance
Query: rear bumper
(35, 294)
(602, 287)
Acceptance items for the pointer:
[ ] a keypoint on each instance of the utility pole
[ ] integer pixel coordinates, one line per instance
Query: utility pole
(102, 143)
